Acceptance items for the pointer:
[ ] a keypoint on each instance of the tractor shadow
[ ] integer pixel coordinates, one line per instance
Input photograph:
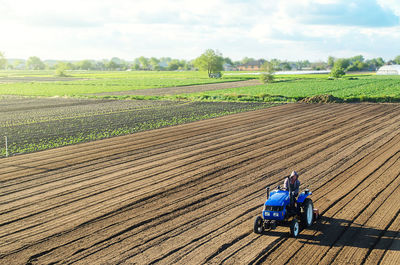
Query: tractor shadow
(328, 231)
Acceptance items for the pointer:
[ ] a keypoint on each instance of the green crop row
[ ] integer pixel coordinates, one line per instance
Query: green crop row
(34, 133)
(286, 88)
(363, 88)
(99, 82)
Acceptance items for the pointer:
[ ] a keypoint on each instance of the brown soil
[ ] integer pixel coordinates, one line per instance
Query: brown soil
(183, 89)
(189, 194)
(322, 99)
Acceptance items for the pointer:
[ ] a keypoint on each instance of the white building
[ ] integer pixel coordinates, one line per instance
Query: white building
(389, 70)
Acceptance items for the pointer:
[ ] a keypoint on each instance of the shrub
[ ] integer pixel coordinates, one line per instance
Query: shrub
(337, 72)
(266, 78)
(268, 72)
(61, 68)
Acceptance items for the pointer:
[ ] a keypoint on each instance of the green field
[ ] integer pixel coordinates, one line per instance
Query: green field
(34, 124)
(286, 88)
(353, 88)
(21, 82)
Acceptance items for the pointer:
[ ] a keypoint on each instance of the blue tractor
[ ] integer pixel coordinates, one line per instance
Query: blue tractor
(282, 208)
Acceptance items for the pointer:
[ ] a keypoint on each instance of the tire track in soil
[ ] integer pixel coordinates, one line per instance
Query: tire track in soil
(380, 249)
(67, 153)
(223, 199)
(165, 150)
(336, 232)
(330, 237)
(81, 188)
(317, 174)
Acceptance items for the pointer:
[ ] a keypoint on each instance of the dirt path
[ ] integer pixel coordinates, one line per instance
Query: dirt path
(189, 194)
(183, 89)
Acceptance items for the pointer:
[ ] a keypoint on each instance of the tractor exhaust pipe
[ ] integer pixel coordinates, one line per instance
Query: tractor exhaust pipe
(267, 192)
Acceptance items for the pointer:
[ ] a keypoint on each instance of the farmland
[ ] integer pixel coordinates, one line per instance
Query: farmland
(188, 194)
(182, 86)
(39, 111)
(356, 88)
(33, 124)
(87, 106)
(43, 83)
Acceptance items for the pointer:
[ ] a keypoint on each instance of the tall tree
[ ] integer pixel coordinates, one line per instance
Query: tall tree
(174, 65)
(342, 63)
(144, 63)
(85, 65)
(61, 68)
(286, 66)
(34, 63)
(358, 58)
(210, 61)
(154, 63)
(380, 61)
(112, 65)
(228, 60)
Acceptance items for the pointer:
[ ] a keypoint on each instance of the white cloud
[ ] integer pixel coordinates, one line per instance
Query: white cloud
(288, 29)
(393, 5)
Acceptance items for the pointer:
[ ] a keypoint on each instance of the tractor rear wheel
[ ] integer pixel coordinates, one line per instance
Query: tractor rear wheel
(294, 228)
(307, 217)
(258, 225)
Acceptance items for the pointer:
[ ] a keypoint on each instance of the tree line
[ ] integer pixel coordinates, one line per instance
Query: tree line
(114, 64)
(210, 60)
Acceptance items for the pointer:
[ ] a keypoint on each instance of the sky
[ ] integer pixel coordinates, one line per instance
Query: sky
(183, 29)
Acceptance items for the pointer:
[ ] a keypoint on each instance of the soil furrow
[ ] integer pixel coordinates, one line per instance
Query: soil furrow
(189, 194)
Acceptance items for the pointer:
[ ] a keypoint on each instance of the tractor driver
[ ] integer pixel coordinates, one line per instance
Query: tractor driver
(293, 182)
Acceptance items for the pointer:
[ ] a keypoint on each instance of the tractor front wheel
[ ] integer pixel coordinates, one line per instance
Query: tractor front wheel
(294, 228)
(258, 225)
(307, 217)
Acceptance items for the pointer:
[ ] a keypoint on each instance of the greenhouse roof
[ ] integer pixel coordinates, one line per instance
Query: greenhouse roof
(389, 70)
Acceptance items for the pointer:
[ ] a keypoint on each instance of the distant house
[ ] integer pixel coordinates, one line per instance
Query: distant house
(251, 66)
(393, 69)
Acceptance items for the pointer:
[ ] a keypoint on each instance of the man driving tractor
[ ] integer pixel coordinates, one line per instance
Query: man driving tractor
(294, 185)
(285, 205)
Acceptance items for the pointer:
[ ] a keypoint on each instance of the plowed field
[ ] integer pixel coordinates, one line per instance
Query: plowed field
(189, 194)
